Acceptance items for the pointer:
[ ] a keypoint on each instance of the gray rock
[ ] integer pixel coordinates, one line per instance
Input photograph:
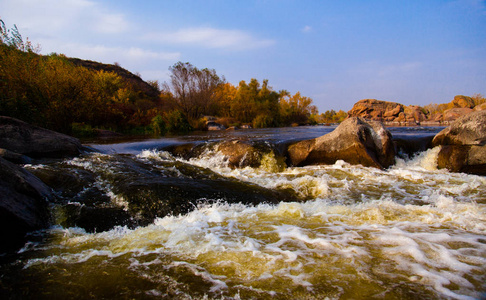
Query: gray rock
(36, 142)
(23, 204)
(14, 157)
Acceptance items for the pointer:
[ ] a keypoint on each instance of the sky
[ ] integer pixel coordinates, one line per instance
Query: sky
(414, 52)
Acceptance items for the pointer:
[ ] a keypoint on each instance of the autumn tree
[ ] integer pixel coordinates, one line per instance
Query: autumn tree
(296, 108)
(194, 90)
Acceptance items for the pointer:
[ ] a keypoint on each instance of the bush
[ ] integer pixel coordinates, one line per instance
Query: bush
(176, 122)
(262, 121)
(83, 130)
(158, 125)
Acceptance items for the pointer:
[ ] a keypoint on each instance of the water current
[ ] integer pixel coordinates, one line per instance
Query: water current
(135, 222)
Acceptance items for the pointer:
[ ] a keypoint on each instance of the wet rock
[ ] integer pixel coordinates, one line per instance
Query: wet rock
(149, 198)
(36, 142)
(463, 144)
(185, 151)
(407, 147)
(93, 219)
(14, 157)
(23, 205)
(241, 154)
(355, 141)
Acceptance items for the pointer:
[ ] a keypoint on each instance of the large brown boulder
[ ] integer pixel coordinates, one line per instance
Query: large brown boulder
(463, 144)
(36, 142)
(355, 141)
(23, 205)
(377, 110)
(462, 101)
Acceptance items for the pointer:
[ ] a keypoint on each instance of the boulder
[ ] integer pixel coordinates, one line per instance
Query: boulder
(463, 144)
(461, 101)
(36, 142)
(377, 110)
(23, 205)
(211, 125)
(453, 114)
(481, 106)
(14, 157)
(355, 141)
(242, 154)
(415, 114)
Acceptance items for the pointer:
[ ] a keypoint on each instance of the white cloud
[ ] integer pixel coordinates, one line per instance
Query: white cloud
(307, 28)
(53, 17)
(211, 38)
(129, 56)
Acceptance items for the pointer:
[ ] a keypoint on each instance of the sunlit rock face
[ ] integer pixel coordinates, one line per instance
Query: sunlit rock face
(355, 141)
(464, 144)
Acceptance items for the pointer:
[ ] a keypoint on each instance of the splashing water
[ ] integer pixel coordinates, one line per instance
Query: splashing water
(408, 232)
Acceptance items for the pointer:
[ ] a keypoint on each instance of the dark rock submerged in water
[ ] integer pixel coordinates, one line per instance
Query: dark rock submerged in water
(463, 144)
(355, 141)
(36, 142)
(98, 192)
(23, 205)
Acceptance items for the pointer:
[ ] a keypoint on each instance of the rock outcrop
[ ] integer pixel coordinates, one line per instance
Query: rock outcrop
(23, 138)
(355, 141)
(463, 144)
(23, 205)
(394, 113)
(384, 111)
(377, 110)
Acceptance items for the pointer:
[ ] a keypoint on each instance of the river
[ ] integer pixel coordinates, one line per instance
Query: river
(134, 222)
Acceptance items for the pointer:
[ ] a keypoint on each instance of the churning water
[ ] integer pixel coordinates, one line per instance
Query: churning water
(319, 232)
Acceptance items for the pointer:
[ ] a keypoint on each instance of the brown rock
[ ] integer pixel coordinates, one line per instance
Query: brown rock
(355, 141)
(463, 144)
(480, 106)
(454, 113)
(461, 101)
(373, 109)
(240, 154)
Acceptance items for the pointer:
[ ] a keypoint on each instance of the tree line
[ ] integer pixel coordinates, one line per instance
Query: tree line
(62, 94)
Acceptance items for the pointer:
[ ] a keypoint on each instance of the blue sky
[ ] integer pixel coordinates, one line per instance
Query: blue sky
(335, 52)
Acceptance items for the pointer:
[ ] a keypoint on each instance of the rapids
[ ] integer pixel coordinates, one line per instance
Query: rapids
(137, 222)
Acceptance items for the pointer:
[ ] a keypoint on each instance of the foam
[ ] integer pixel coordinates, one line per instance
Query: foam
(409, 225)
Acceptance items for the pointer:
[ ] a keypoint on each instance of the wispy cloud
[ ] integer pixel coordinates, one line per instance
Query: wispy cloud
(124, 55)
(211, 38)
(60, 16)
(307, 28)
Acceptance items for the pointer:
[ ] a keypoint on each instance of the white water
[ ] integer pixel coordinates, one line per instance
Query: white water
(406, 232)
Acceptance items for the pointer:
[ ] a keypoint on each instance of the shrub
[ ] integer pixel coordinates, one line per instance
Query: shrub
(158, 125)
(176, 122)
(262, 121)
